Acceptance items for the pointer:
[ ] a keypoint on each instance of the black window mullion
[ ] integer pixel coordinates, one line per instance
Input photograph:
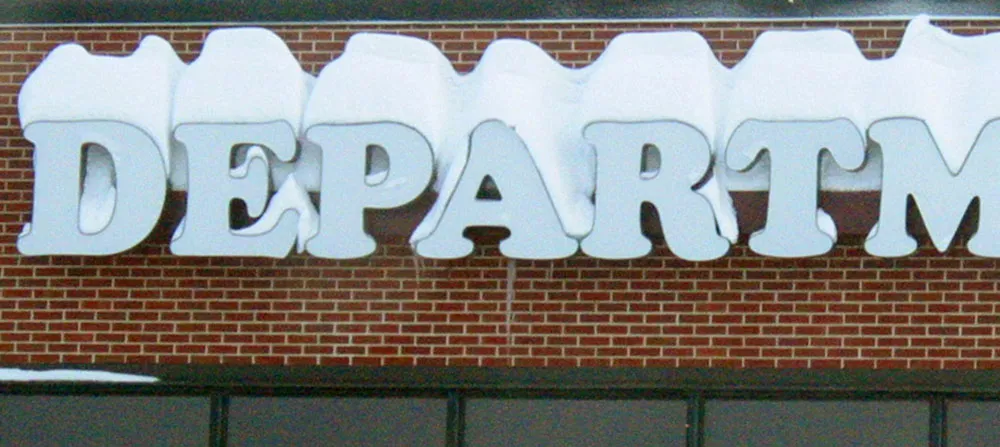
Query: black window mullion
(219, 424)
(938, 422)
(456, 419)
(696, 420)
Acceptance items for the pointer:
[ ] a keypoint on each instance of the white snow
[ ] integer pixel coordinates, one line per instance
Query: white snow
(291, 196)
(70, 375)
(406, 80)
(519, 84)
(97, 199)
(799, 76)
(949, 81)
(385, 78)
(663, 76)
(381, 78)
(243, 75)
(787, 75)
(73, 85)
(306, 167)
(646, 76)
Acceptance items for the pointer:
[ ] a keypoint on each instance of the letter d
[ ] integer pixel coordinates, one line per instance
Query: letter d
(128, 200)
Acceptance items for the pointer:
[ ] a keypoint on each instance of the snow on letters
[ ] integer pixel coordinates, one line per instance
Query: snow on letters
(570, 155)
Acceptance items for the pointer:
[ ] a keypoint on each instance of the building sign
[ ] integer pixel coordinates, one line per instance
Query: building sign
(563, 158)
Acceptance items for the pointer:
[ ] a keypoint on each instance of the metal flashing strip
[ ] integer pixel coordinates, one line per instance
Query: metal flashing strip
(249, 380)
(467, 11)
(496, 22)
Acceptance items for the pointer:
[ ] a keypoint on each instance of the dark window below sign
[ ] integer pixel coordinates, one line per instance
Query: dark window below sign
(102, 421)
(578, 423)
(272, 422)
(885, 423)
(973, 423)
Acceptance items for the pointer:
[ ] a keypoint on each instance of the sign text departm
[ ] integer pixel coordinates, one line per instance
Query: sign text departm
(78, 210)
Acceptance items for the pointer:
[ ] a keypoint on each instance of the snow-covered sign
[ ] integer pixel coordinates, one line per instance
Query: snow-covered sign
(563, 158)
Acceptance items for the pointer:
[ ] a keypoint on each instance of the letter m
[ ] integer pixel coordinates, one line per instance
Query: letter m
(913, 166)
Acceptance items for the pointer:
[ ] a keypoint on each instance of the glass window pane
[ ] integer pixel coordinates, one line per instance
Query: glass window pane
(816, 423)
(259, 421)
(103, 421)
(538, 422)
(973, 423)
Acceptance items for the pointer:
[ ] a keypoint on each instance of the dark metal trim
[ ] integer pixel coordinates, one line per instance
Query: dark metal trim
(218, 427)
(455, 426)
(161, 11)
(939, 422)
(696, 420)
(547, 382)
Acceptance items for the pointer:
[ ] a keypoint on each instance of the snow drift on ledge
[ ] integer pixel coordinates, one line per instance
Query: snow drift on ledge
(70, 375)
(250, 75)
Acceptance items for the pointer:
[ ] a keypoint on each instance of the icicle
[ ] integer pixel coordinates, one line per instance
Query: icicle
(418, 266)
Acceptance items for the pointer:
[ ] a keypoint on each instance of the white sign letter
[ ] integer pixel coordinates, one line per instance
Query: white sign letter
(116, 203)
(686, 217)
(347, 191)
(213, 184)
(913, 166)
(524, 208)
(795, 226)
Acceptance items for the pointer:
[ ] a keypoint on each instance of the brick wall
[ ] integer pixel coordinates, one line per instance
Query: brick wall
(843, 310)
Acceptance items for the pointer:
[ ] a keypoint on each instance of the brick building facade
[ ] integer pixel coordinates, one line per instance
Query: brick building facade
(843, 310)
